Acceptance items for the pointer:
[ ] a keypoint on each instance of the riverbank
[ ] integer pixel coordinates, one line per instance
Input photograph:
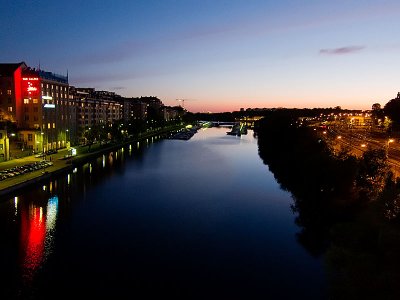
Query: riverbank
(61, 164)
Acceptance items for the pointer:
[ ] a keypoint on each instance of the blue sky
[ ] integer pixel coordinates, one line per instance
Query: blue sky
(219, 55)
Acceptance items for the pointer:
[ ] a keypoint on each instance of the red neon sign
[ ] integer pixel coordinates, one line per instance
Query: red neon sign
(30, 86)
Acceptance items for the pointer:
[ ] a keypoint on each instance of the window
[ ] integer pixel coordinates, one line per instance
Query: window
(8, 92)
(26, 101)
(35, 101)
(1, 146)
(26, 108)
(10, 109)
(1, 135)
(54, 125)
(35, 109)
(30, 137)
(35, 118)
(48, 125)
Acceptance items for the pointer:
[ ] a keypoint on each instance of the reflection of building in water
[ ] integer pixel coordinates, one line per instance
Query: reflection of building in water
(37, 235)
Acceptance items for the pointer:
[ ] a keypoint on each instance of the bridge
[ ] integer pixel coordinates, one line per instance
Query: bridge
(248, 121)
(217, 123)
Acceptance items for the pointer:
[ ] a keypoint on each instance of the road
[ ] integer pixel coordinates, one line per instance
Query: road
(361, 140)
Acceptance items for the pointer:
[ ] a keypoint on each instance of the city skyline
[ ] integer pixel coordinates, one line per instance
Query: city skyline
(217, 55)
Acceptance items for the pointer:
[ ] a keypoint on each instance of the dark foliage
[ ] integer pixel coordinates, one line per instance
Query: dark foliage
(348, 209)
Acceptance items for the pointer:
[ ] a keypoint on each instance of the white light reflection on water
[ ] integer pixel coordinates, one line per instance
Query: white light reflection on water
(16, 205)
(51, 218)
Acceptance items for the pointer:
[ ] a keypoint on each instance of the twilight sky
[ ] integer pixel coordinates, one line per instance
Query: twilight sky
(219, 55)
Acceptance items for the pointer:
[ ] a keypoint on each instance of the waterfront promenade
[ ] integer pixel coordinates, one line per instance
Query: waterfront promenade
(61, 163)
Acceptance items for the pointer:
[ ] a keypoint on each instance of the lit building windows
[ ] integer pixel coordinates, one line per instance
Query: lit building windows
(8, 92)
(35, 101)
(54, 125)
(48, 125)
(10, 109)
(26, 101)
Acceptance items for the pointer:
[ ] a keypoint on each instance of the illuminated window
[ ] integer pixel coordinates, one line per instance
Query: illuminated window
(54, 125)
(1, 146)
(35, 101)
(48, 125)
(8, 92)
(26, 101)
(10, 109)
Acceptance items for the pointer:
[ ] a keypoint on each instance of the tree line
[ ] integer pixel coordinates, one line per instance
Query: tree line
(348, 208)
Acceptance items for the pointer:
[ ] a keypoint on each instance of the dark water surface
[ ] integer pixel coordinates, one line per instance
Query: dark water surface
(200, 219)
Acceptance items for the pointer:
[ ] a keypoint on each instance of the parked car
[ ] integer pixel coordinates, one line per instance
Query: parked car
(51, 151)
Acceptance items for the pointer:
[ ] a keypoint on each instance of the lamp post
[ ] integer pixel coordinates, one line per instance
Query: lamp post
(42, 134)
(67, 137)
(387, 147)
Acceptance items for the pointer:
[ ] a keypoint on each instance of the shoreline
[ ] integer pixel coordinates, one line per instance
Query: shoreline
(61, 166)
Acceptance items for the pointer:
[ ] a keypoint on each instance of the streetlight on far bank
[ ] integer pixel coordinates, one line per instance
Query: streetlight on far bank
(387, 146)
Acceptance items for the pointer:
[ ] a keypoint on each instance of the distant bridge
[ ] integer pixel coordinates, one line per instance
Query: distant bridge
(248, 121)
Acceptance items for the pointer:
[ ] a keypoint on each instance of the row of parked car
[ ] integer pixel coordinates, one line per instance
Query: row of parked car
(15, 171)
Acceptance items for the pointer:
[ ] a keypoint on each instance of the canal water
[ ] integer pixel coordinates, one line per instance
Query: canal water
(197, 219)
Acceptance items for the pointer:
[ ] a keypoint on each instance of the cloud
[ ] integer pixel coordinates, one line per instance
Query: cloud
(342, 50)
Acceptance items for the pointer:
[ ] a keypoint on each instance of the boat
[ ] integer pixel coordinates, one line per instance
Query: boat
(238, 130)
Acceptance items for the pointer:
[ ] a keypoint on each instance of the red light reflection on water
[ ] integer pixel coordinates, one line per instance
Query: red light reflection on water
(33, 234)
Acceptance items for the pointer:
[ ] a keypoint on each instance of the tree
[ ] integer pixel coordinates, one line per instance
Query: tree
(373, 174)
(376, 107)
(392, 110)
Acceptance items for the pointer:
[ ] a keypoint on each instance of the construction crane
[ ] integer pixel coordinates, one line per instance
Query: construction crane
(183, 102)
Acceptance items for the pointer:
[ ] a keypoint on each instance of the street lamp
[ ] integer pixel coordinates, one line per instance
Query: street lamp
(387, 146)
(42, 133)
(67, 137)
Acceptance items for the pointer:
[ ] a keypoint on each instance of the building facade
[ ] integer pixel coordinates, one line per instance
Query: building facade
(35, 101)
